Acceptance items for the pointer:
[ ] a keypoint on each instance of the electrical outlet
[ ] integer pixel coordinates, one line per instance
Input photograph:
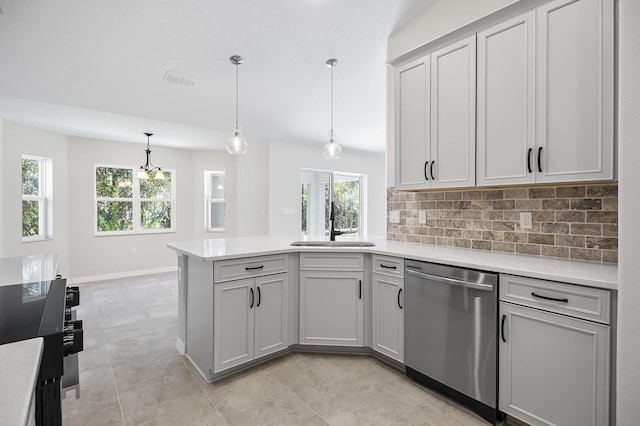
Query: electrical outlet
(287, 211)
(422, 217)
(134, 250)
(394, 216)
(525, 220)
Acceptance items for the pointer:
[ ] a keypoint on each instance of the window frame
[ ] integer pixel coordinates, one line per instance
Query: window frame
(136, 200)
(208, 200)
(44, 199)
(362, 178)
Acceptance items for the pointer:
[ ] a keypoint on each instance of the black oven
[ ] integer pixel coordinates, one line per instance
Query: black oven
(44, 309)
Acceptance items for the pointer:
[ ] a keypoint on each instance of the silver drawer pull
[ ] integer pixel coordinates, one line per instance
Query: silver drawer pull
(382, 265)
(550, 298)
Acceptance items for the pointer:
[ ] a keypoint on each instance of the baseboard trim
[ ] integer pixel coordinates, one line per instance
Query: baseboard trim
(114, 276)
(180, 346)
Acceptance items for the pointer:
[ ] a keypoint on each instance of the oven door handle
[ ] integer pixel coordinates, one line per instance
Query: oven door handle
(452, 281)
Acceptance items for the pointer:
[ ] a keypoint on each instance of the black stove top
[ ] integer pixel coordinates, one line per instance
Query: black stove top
(31, 310)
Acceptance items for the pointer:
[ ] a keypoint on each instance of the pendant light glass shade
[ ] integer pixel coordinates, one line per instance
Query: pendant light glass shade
(236, 144)
(332, 151)
(143, 171)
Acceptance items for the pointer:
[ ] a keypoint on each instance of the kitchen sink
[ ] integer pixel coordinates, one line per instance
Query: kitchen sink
(332, 244)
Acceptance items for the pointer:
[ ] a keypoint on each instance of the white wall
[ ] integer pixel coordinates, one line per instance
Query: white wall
(252, 177)
(2, 187)
(18, 139)
(628, 389)
(285, 163)
(99, 255)
(439, 19)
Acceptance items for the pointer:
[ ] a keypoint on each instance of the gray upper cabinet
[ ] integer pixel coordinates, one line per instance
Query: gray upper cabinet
(506, 102)
(453, 112)
(412, 123)
(435, 119)
(575, 63)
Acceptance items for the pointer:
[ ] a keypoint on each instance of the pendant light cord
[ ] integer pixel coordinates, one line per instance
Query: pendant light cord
(331, 135)
(237, 96)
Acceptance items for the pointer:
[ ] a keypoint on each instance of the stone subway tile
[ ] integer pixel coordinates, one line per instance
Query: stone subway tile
(542, 192)
(444, 223)
(527, 204)
(504, 205)
(610, 204)
(461, 242)
(492, 215)
(472, 195)
(570, 191)
(570, 240)
(453, 214)
(500, 225)
(542, 239)
(444, 241)
(472, 234)
(462, 205)
(453, 233)
(610, 190)
(515, 237)
(543, 216)
(424, 239)
(586, 229)
(532, 249)
(493, 235)
(413, 238)
(513, 216)
(444, 205)
(586, 254)
(421, 230)
(555, 251)
(427, 205)
(406, 196)
(504, 247)
(453, 195)
(610, 256)
(421, 196)
(610, 230)
(481, 245)
(602, 217)
(436, 232)
(570, 216)
(515, 193)
(472, 214)
(493, 194)
(436, 196)
(602, 243)
(554, 228)
(556, 204)
(481, 205)
(586, 204)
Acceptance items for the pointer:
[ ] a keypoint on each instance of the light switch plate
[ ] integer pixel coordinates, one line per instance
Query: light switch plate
(394, 216)
(422, 217)
(525, 220)
(288, 211)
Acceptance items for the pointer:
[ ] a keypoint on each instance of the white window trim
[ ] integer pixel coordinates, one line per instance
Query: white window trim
(136, 200)
(208, 200)
(45, 209)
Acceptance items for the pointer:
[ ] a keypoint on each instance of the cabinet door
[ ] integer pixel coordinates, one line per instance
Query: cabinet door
(453, 113)
(388, 316)
(331, 308)
(233, 322)
(575, 90)
(412, 124)
(506, 102)
(271, 314)
(553, 369)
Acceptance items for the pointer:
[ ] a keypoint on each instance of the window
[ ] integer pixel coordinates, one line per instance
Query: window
(214, 201)
(319, 189)
(36, 198)
(132, 206)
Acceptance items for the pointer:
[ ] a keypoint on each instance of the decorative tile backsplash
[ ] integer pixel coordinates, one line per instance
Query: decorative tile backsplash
(573, 222)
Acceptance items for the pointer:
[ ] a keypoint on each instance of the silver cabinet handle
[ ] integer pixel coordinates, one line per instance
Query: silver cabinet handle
(452, 281)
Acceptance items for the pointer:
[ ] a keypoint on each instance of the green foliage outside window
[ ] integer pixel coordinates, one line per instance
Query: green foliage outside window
(346, 198)
(30, 218)
(30, 187)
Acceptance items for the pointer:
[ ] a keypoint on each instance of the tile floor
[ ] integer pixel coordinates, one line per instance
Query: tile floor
(130, 373)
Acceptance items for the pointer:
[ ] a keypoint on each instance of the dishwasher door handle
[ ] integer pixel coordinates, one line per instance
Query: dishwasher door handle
(452, 281)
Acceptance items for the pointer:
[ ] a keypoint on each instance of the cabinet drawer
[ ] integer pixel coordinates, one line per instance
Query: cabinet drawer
(332, 262)
(568, 299)
(386, 265)
(247, 267)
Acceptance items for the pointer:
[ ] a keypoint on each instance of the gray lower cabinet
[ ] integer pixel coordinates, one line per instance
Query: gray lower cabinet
(554, 368)
(251, 319)
(388, 306)
(331, 299)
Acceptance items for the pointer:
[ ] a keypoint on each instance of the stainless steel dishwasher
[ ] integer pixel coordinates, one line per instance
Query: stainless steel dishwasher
(450, 333)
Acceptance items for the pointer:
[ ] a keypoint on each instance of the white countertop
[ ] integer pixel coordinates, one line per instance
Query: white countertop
(570, 271)
(19, 365)
(28, 269)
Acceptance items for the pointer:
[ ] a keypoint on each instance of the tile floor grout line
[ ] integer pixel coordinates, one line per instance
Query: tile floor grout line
(113, 377)
(301, 400)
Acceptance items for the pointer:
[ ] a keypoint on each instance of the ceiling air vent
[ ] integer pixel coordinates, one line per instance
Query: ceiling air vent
(176, 78)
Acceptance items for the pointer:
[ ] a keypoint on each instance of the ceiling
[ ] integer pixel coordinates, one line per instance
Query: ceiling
(95, 68)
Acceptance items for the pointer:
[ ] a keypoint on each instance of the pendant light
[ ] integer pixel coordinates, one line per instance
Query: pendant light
(331, 150)
(236, 144)
(143, 172)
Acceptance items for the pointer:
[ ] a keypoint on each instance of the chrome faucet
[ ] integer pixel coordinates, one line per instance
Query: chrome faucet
(332, 236)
